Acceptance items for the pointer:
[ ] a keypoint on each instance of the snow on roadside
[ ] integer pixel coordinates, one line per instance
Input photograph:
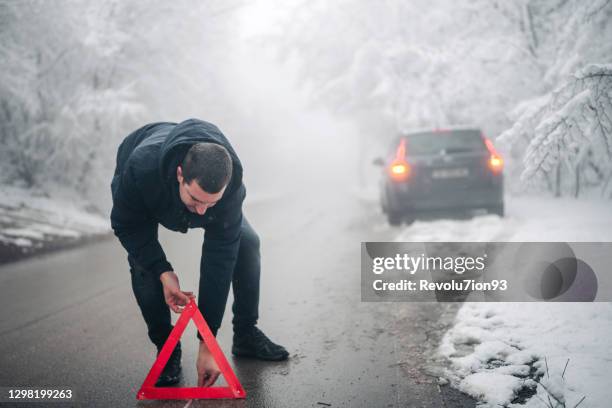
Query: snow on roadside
(497, 351)
(546, 219)
(478, 228)
(28, 220)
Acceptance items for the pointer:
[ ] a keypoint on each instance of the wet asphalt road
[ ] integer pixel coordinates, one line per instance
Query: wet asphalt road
(70, 320)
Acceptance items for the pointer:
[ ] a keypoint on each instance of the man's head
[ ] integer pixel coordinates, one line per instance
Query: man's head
(203, 176)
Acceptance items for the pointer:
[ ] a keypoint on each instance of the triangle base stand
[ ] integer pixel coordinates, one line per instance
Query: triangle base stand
(148, 390)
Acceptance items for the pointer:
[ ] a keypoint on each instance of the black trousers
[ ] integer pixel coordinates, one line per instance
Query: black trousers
(213, 292)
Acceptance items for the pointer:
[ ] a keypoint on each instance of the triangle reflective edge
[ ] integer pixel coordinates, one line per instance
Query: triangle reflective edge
(148, 390)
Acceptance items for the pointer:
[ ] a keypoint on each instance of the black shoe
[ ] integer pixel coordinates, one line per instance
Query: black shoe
(253, 343)
(172, 371)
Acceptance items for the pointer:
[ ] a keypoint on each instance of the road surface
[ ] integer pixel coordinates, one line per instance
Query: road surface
(70, 320)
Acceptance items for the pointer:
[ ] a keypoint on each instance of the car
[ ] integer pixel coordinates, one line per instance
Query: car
(440, 170)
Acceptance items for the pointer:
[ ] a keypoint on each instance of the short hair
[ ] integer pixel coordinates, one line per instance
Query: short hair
(209, 164)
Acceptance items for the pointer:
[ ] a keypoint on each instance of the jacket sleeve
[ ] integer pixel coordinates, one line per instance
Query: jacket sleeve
(134, 226)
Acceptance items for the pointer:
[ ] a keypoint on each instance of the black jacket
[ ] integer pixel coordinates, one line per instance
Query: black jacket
(145, 194)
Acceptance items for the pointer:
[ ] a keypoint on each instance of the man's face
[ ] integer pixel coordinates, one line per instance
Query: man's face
(195, 199)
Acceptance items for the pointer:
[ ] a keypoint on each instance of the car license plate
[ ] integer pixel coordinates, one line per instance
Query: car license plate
(449, 173)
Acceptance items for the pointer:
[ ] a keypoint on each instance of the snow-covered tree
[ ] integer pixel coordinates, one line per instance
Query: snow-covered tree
(572, 133)
(77, 76)
(58, 92)
(413, 64)
(561, 136)
(393, 65)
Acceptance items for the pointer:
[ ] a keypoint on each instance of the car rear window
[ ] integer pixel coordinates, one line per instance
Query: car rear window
(451, 141)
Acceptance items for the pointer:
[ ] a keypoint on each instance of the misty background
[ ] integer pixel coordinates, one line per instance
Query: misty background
(309, 92)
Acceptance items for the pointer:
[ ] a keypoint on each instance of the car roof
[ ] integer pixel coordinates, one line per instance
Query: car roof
(442, 129)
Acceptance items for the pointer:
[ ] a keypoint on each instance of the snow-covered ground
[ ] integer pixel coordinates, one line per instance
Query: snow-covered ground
(496, 350)
(528, 218)
(29, 222)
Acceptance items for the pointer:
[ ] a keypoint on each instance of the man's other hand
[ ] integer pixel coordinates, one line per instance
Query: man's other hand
(207, 368)
(175, 298)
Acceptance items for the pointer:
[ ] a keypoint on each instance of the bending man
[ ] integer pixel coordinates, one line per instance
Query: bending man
(182, 176)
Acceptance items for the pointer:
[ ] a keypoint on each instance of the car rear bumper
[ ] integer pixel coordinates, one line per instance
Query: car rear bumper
(401, 198)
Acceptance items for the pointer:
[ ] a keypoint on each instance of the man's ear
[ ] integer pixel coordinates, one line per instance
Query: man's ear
(179, 174)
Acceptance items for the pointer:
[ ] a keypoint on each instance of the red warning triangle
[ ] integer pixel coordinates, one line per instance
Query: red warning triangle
(148, 389)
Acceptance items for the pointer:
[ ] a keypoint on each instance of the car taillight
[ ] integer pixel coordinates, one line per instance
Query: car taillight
(496, 163)
(400, 169)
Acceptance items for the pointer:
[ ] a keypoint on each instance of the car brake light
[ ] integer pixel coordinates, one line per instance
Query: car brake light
(400, 169)
(496, 163)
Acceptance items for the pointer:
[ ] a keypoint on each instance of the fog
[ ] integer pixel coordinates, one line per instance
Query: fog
(311, 94)
(308, 92)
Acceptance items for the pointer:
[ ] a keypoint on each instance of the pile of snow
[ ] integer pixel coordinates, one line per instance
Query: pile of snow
(476, 229)
(547, 219)
(28, 220)
(528, 218)
(499, 352)
(496, 350)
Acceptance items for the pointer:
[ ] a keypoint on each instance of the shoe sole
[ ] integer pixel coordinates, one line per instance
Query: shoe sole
(173, 381)
(243, 353)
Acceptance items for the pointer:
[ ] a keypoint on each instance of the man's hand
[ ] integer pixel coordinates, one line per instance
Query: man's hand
(207, 368)
(174, 296)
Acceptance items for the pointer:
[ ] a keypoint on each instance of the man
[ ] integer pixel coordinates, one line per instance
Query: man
(182, 176)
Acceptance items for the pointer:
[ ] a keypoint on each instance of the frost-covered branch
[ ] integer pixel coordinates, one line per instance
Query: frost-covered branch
(570, 126)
